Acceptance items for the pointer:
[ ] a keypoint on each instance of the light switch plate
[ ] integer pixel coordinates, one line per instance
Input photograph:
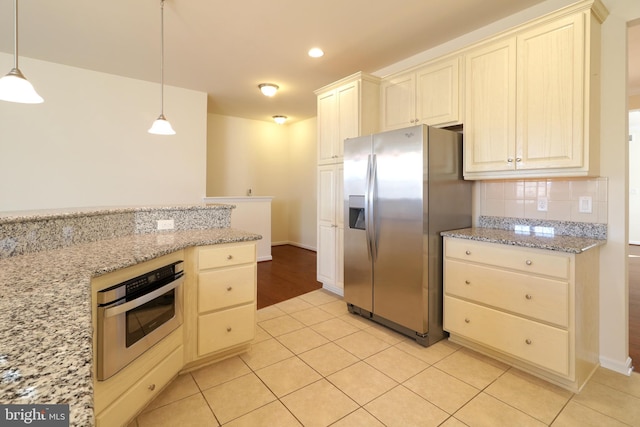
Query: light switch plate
(543, 204)
(585, 204)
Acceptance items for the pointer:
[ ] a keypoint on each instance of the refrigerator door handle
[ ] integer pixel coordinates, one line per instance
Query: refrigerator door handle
(367, 208)
(373, 193)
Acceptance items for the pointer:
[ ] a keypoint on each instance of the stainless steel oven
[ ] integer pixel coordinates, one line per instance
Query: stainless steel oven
(136, 314)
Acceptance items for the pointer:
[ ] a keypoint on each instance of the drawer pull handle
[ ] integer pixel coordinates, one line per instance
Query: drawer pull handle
(466, 282)
(467, 252)
(528, 341)
(152, 387)
(528, 296)
(467, 320)
(228, 328)
(229, 288)
(528, 262)
(229, 256)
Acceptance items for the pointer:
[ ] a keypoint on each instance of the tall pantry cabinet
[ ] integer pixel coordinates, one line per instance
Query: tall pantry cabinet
(346, 109)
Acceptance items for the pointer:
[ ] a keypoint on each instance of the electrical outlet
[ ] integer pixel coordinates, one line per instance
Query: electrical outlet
(543, 204)
(585, 204)
(165, 224)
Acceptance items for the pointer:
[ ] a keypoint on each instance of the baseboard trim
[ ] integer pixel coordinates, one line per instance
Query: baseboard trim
(333, 289)
(265, 258)
(614, 365)
(299, 245)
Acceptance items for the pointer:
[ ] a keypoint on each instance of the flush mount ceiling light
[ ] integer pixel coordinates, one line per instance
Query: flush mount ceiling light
(279, 119)
(316, 52)
(268, 89)
(161, 125)
(14, 87)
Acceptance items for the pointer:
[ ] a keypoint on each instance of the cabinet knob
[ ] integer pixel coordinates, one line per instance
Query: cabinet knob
(229, 256)
(229, 288)
(466, 282)
(528, 262)
(228, 328)
(509, 160)
(152, 387)
(467, 320)
(467, 252)
(528, 341)
(518, 159)
(528, 296)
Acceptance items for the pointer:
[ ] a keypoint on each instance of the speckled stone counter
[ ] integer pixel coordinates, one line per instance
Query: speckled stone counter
(570, 244)
(45, 313)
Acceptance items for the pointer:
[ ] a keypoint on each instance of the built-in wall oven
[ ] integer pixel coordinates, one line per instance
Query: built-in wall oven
(134, 315)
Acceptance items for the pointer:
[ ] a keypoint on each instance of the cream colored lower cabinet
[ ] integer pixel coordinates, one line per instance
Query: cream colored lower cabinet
(220, 304)
(534, 309)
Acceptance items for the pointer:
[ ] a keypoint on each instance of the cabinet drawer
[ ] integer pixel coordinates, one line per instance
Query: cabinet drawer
(130, 402)
(225, 288)
(526, 260)
(532, 296)
(223, 256)
(543, 345)
(224, 329)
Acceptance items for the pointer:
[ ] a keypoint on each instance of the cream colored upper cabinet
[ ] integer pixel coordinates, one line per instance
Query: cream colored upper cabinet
(428, 95)
(346, 109)
(531, 99)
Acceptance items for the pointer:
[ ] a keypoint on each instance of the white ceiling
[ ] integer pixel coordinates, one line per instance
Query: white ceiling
(226, 48)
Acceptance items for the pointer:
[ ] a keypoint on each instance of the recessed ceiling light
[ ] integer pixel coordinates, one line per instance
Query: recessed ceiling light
(268, 89)
(279, 119)
(316, 52)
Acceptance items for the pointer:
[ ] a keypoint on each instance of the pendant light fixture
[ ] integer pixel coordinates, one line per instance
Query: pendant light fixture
(14, 87)
(161, 125)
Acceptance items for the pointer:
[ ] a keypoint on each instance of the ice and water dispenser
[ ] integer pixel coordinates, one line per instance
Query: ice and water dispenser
(356, 212)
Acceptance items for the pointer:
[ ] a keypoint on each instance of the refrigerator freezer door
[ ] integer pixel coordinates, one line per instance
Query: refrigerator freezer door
(358, 273)
(398, 212)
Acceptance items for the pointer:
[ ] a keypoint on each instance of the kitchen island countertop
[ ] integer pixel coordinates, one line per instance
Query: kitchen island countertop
(45, 313)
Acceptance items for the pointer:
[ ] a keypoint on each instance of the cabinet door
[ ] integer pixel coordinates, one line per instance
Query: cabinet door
(327, 127)
(348, 107)
(327, 194)
(437, 93)
(490, 96)
(550, 99)
(399, 102)
(326, 261)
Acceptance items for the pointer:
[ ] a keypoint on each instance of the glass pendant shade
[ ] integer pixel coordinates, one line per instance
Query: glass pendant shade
(14, 87)
(161, 126)
(280, 119)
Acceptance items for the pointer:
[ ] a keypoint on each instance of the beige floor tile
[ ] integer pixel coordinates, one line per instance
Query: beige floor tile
(287, 376)
(403, 408)
(432, 354)
(609, 401)
(238, 397)
(328, 358)
(265, 353)
(281, 325)
(294, 304)
(311, 316)
(319, 404)
(472, 368)
(396, 364)
(362, 344)
(192, 411)
(220, 372)
(487, 411)
(337, 308)
(269, 312)
(356, 320)
(320, 296)
(361, 382)
(453, 422)
(261, 335)
(182, 386)
(302, 340)
(441, 389)
(359, 418)
(576, 415)
(531, 395)
(627, 384)
(271, 415)
(334, 329)
(385, 334)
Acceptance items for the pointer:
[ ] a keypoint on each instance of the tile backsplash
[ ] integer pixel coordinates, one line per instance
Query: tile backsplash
(562, 199)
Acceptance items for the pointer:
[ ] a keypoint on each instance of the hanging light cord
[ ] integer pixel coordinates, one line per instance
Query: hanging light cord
(162, 58)
(15, 34)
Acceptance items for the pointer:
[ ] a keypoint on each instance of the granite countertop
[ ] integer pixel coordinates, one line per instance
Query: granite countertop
(527, 238)
(45, 313)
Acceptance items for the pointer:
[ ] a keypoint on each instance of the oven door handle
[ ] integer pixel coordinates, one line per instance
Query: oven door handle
(119, 309)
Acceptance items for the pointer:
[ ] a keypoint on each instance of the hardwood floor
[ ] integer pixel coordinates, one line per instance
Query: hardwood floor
(634, 305)
(290, 273)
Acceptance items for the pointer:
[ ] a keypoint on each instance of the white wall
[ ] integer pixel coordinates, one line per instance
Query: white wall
(271, 160)
(87, 144)
(634, 177)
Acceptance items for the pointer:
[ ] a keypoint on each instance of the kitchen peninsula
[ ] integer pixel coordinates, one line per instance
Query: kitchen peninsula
(47, 261)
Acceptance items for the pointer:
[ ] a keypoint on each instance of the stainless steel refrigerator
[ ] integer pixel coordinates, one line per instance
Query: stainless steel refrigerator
(401, 189)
